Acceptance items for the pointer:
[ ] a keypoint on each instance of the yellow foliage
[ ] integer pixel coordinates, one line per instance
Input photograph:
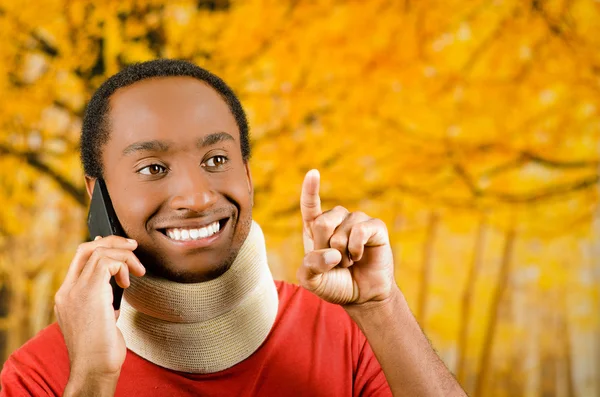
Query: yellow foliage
(413, 111)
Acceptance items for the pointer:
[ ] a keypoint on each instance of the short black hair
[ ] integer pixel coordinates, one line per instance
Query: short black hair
(95, 128)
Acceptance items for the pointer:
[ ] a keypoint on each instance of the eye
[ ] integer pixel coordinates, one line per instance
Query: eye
(216, 161)
(153, 169)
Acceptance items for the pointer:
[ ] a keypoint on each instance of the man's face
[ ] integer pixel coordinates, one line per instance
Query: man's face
(174, 170)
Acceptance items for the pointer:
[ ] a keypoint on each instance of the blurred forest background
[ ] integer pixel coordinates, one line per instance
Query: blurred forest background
(472, 128)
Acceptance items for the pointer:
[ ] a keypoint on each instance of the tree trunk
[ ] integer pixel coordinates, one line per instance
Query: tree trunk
(567, 352)
(4, 317)
(428, 248)
(488, 343)
(594, 374)
(550, 347)
(467, 299)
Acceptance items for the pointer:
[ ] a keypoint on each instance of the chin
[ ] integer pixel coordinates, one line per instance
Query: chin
(188, 274)
(192, 276)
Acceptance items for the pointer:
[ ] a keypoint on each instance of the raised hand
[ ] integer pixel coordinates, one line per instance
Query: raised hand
(348, 259)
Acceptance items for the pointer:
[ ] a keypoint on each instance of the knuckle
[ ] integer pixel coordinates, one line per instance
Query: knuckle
(110, 241)
(339, 208)
(105, 261)
(307, 260)
(358, 215)
(93, 259)
(338, 240)
(322, 223)
(310, 260)
(58, 299)
(102, 263)
(359, 230)
(98, 253)
(379, 223)
(81, 248)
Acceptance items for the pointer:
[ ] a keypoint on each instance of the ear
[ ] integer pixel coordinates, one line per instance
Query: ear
(89, 185)
(249, 180)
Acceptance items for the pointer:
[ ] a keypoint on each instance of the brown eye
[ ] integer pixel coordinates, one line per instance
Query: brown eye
(216, 161)
(153, 169)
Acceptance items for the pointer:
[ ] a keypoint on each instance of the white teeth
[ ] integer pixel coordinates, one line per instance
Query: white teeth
(187, 234)
(204, 232)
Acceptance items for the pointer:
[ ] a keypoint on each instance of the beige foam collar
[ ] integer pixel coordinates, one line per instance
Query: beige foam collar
(203, 327)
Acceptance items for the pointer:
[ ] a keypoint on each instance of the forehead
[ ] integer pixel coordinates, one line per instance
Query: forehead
(173, 108)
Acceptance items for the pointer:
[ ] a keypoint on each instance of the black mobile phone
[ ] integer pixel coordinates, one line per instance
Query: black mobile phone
(102, 221)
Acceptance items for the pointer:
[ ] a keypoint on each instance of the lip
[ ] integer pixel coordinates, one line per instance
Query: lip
(199, 243)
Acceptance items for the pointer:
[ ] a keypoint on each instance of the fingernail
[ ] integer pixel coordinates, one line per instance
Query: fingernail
(331, 257)
(132, 241)
(97, 238)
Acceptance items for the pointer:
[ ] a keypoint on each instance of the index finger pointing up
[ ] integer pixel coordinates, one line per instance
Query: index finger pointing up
(310, 202)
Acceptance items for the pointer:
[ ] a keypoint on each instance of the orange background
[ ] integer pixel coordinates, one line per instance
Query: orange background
(472, 128)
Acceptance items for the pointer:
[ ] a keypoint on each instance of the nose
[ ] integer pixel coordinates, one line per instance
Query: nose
(191, 190)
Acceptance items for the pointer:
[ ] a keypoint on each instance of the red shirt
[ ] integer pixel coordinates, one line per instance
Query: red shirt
(313, 349)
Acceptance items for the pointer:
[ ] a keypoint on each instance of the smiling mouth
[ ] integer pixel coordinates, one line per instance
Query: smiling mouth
(194, 233)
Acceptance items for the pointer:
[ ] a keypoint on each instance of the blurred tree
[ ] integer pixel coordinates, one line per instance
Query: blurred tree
(451, 108)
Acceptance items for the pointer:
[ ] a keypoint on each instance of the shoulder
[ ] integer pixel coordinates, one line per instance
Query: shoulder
(293, 297)
(49, 342)
(301, 309)
(40, 366)
(312, 329)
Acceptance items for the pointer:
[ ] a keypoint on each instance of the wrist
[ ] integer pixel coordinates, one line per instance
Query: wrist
(89, 383)
(380, 310)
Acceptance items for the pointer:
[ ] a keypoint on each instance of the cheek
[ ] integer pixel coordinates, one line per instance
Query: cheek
(133, 209)
(238, 191)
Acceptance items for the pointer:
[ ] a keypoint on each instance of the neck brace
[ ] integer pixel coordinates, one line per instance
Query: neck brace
(203, 327)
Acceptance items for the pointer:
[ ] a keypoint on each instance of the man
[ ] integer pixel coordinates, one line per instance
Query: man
(201, 313)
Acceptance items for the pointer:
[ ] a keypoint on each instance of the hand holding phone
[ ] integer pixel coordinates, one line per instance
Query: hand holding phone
(103, 221)
(96, 277)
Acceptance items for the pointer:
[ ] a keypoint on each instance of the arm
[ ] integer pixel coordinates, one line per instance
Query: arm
(409, 363)
(348, 261)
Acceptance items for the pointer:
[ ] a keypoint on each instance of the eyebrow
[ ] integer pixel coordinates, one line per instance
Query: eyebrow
(148, 146)
(163, 146)
(213, 138)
